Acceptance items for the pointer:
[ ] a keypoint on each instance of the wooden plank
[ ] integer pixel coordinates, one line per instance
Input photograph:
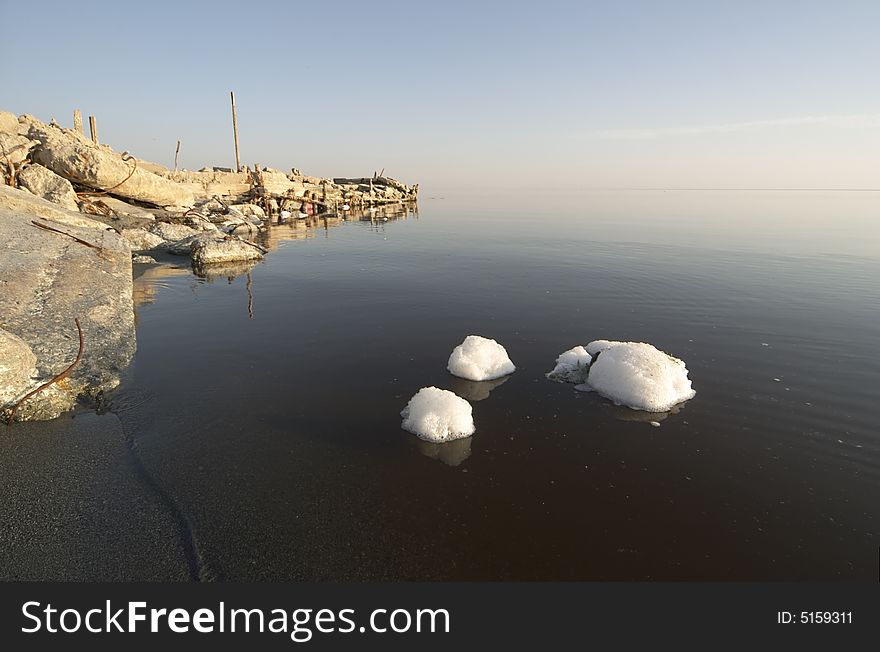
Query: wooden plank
(235, 132)
(93, 128)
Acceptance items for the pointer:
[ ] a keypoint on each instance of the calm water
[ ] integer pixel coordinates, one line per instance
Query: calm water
(265, 407)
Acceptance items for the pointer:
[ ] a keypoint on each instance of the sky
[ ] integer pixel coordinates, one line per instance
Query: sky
(526, 96)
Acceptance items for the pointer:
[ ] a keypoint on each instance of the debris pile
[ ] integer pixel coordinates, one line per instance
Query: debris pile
(155, 208)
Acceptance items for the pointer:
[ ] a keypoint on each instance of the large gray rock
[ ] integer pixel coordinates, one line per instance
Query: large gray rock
(47, 280)
(209, 248)
(223, 250)
(67, 153)
(18, 365)
(48, 185)
(141, 239)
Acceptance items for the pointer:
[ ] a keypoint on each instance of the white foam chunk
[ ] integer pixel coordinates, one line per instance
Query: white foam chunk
(572, 366)
(597, 346)
(638, 375)
(479, 358)
(438, 415)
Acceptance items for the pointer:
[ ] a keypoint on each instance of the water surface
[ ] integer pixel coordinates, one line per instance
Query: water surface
(264, 405)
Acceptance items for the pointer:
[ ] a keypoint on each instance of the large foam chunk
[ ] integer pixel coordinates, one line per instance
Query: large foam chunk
(597, 346)
(479, 358)
(438, 415)
(638, 375)
(572, 366)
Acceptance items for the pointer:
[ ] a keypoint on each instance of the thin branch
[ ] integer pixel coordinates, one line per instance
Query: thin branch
(69, 235)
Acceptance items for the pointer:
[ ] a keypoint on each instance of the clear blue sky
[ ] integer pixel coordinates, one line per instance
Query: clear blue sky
(657, 94)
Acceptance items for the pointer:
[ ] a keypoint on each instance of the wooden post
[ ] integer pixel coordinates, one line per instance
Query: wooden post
(93, 128)
(78, 121)
(176, 152)
(235, 132)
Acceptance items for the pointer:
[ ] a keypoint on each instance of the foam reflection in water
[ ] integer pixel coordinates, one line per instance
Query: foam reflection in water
(475, 390)
(451, 453)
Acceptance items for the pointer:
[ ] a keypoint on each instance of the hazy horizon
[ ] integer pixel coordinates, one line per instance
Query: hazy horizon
(678, 95)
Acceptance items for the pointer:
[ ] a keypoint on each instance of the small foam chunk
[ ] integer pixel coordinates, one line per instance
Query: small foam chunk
(479, 358)
(572, 366)
(638, 375)
(438, 415)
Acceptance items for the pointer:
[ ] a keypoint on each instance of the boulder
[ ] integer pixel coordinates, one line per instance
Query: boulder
(14, 148)
(212, 206)
(205, 185)
(248, 210)
(18, 366)
(48, 185)
(8, 123)
(211, 248)
(124, 209)
(183, 247)
(223, 250)
(276, 182)
(199, 223)
(149, 166)
(141, 239)
(143, 260)
(47, 280)
(24, 202)
(171, 232)
(244, 230)
(67, 153)
(223, 218)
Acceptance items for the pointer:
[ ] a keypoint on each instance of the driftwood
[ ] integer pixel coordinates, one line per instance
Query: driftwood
(93, 129)
(235, 132)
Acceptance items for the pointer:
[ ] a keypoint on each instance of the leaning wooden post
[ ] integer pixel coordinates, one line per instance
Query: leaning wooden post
(176, 152)
(78, 121)
(235, 132)
(93, 128)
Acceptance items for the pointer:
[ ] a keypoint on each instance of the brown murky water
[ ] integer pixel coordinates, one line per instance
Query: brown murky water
(264, 404)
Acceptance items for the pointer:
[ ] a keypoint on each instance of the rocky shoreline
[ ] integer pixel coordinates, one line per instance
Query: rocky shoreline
(74, 215)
